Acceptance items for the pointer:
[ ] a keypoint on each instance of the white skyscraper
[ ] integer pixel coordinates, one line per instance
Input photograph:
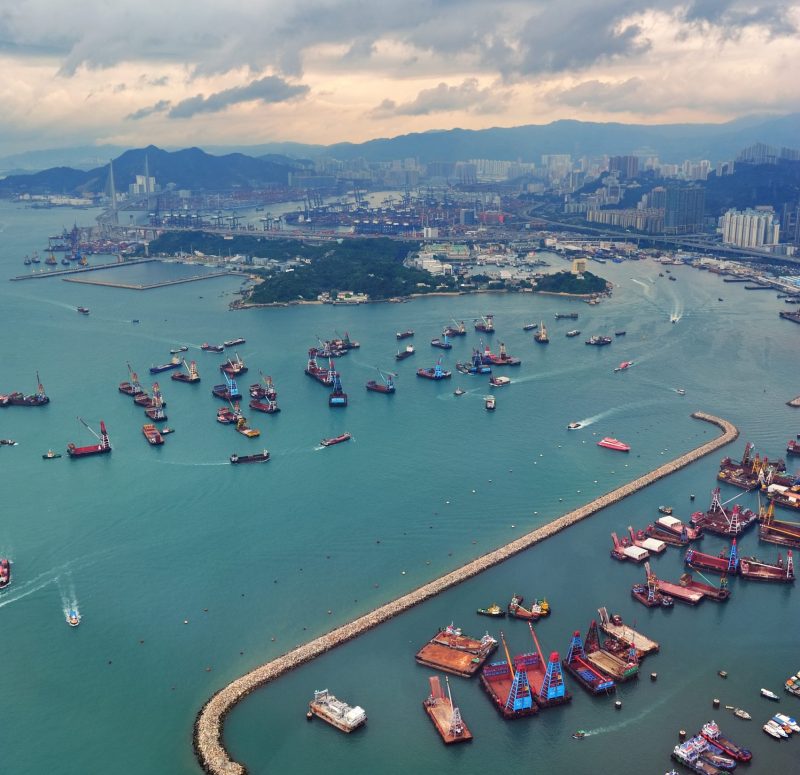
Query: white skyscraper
(750, 228)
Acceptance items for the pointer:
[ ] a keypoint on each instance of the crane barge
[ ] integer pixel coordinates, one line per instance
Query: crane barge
(93, 449)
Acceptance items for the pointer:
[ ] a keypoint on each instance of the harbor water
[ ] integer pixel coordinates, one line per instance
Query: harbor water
(189, 571)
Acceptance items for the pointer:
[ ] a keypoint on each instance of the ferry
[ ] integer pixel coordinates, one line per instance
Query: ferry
(174, 363)
(574, 426)
(499, 381)
(5, 573)
(386, 385)
(259, 457)
(212, 348)
(404, 334)
(152, 434)
(50, 455)
(574, 332)
(336, 440)
(624, 365)
(616, 444)
(73, 617)
(234, 342)
(337, 713)
(403, 354)
(493, 610)
(490, 403)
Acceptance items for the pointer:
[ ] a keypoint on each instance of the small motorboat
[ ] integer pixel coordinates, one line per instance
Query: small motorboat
(459, 391)
(787, 721)
(574, 332)
(492, 610)
(771, 731)
(499, 381)
(490, 403)
(83, 310)
(50, 455)
(8, 443)
(530, 327)
(739, 713)
(680, 391)
(770, 695)
(665, 510)
(73, 617)
(667, 601)
(165, 431)
(578, 734)
(720, 298)
(623, 366)
(777, 727)
(573, 426)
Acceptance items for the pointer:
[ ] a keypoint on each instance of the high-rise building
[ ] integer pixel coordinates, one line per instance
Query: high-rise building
(627, 167)
(790, 222)
(750, 228)
(684, 209)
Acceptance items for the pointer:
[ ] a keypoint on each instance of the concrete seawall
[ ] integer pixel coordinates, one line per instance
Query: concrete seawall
(208, 726)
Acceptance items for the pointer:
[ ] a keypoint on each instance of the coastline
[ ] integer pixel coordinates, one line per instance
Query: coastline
(208, 728)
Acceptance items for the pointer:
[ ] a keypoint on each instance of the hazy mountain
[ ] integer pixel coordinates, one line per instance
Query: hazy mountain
(80, 158)
(190, 168)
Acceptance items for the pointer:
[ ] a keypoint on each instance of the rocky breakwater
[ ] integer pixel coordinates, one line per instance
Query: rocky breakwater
(208, 744)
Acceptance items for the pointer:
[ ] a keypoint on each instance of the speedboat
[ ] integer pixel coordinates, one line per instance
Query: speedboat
(579, 734)
(771, 731)
(73, 617)
(680, 391)
(8, 443)
(787, 721)
(624, 365)
(573, 426)
(489, 403)
(769, 695)
(739, 713)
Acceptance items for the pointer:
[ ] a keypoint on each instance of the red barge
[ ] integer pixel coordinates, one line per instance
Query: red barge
(191, 374)
(777, 531)
(444, 714)
(648, 594)
(314, 370)
(435, 373)
(455, 653)
(546, 678)
(233, 368)
(265, 390)
(587, 675)
(625, 550)
(93, 449)
(725, 523)
(268, 407)
(507, 685)
(724, 564)
(535, 611)
(720, 594)
(502, 359)
(386, 385)
(749, 472)
(753, 568)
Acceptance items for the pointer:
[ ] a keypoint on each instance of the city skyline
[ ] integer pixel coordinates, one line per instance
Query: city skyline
(327, 72)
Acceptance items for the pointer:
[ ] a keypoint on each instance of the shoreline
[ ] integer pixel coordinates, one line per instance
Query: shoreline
(208, 727)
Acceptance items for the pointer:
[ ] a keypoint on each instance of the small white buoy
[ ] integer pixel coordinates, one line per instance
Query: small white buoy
(447, 502)
(473, 492)
(513, 525)
(403, 572)
(186, 621)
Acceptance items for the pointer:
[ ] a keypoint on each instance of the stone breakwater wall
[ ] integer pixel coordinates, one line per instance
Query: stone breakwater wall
(208, 726)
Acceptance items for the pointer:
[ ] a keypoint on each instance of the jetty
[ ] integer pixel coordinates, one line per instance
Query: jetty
(208, 727)
(78, 270)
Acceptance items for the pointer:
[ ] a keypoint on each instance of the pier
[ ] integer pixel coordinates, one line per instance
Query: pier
(149, 286)
(208, 727)
(81, 269)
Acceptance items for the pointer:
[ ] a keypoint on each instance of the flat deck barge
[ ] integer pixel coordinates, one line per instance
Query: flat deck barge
(753, 568)
(613, 625)
(679, 592)
(444, 715)
(610, 664)
(455, 653)
(720, 594)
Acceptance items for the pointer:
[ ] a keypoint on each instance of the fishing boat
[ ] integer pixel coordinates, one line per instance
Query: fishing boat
(403, 354)
(541, 335)
(234, 342)
(615, 444)
(404, 334)
(574, 426)
(566, 316)
(102, 448)
(770, 695)
(499, 381)
(50, 455)
(258, 457)
(492, 610)
(743, 714)
(489, 403)
(174, 363)
(459, 391)
(73, 617)
(574, 332)
(5, 572)
(336, 440)
(624, 366)
(152, 434)
(212, 348)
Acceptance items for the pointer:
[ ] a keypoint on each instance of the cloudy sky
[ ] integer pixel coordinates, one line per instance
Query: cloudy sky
(183, 72)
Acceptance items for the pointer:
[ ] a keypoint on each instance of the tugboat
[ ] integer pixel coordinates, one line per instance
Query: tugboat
(435, 373)
(259, 457)
(50, 455)
(336, 440)
(403, 354)
(490, 403)
(541, 335)
(457, 329)
(492, 610)
(616, 444)
(73, 617)
(5, 573)
(386, 385)
(499, 381)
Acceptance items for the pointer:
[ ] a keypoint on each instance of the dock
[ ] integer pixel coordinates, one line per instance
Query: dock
(209, 722)
(627, 635)
(149, 286)
(79, 270)
(455, 653)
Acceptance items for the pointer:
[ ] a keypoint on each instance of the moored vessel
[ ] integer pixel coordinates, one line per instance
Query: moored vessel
(234, 368)
(386, 384)
(485, 324)
(174, 363)
(336, 712)
(212, 348)
(442, 344)
(50, 455)
(507, 685)
(712, 733)
(152, 434)
(587, 675)
(493, 610)
(444, 714)
(452, 651)
(436, 372)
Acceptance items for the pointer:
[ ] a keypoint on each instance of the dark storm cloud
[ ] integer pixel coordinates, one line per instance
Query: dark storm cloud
(270, 89)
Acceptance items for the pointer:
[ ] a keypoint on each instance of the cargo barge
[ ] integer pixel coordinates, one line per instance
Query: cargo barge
(444, 714)
(485, 324)
(721, 522)
(403, 354)
(566, 315)
(265, 390)
(726, 564)
(435, 373)
(712, 733)
(227, 392)
(786, 496)
(588, 676)
(630, 638)
(132, 388)
(404, 334)
(267, 407)
(337, 397)
(679, 592)
(234, 342)
(546, 678)
(677, 529)
(608, 663)
(212, 348)
(749, 472)
(102, 448)
(39, 398)
(535, 610)
(507, 685)
(720, 594)
(643, 541)
(690, 755)
(336, 440)
(152, 434)
(753, 568)
(442, 344)
(667, 537)
(624, 550)
(476, 366)
(501, 359)
(336, 712)
(174, 363)
(258, 457)
(314, 370)
(455, 653)
(234, 368)
(541, 335)
(386, 385)
(191, 374)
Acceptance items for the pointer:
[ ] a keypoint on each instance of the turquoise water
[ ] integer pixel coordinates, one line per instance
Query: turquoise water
(148, 539)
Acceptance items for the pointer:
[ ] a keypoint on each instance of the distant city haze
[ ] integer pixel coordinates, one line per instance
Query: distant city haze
(325, 71)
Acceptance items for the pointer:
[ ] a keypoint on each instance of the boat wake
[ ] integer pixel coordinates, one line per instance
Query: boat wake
(33, 585)
(632, 719)
(615, 411)
(648, 289)
(66, 588)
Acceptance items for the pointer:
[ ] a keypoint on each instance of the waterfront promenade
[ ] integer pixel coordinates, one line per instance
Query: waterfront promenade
(208, 728)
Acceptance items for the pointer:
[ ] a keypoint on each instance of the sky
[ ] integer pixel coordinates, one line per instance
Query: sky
(191, 72)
